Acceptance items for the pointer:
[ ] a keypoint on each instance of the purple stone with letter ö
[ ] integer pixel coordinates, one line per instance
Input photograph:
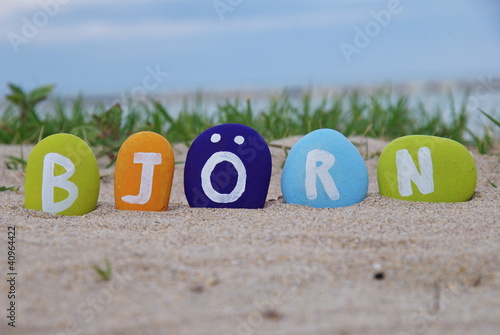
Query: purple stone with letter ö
(228, 166)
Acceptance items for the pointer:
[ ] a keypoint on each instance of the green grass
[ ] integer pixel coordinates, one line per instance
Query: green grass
(16, 163)
(9, 188)
(104, 273)
(380, 115)
(492, 184)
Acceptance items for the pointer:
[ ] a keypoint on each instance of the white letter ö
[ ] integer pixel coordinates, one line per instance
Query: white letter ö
(50, 181)
(208, 168)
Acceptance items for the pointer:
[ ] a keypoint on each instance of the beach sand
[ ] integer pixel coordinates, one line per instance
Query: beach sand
(382, 266)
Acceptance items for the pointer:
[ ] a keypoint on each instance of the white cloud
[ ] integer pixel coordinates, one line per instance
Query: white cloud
(99, 30)
(156, 28)
(10, 8)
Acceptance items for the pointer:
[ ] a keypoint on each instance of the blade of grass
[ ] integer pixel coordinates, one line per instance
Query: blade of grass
(106, 273)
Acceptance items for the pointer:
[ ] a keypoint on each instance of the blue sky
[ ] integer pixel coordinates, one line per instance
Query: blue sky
(112, 46)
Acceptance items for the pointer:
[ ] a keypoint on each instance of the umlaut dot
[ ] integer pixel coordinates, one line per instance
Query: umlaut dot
(215, 138)
(239, 139)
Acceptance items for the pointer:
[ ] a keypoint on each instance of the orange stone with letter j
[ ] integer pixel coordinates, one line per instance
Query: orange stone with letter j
(144, 173)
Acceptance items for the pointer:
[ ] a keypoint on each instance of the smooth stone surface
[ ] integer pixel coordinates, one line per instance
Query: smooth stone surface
(62, 176)
(427, 168)
(324, 170)
(144, 173)
(228, 166)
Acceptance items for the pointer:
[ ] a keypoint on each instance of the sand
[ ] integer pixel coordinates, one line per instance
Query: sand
(382, 266)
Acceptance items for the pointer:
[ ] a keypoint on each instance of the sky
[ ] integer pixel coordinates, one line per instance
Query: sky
(149, 46)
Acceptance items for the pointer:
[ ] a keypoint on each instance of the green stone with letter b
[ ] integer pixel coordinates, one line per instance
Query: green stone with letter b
(62, 176)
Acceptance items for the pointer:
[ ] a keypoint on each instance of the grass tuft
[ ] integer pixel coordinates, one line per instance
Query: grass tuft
(106, 273)
(15, 163)
(381, 115)
(492, 184)
(7, 188)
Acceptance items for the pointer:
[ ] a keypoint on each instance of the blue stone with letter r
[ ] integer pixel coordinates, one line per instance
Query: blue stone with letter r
(323, 170)
(228, 166)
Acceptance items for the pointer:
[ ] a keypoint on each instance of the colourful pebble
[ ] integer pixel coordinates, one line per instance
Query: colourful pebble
(228, 166)
(323, 169)
(62, 176)
(427, 168)
(144, 173)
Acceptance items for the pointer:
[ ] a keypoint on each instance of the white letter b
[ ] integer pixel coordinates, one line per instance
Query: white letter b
(50, 181)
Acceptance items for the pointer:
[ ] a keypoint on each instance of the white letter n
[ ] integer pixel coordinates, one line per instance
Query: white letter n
(407, 172)
(313, 170)
(50, 181)
(149, 160)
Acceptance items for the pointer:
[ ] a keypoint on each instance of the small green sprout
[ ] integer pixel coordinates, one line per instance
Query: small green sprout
(105, 274)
